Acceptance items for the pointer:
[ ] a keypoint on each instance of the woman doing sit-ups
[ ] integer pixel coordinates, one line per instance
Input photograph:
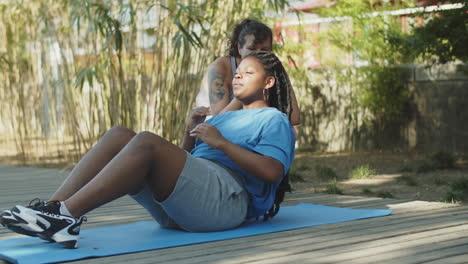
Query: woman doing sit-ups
(236, 162)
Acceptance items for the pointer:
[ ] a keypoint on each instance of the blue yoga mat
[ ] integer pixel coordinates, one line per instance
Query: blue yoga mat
(147, 235)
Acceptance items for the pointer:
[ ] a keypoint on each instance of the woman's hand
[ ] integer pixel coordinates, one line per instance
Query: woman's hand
(197, 116)
(209, 134)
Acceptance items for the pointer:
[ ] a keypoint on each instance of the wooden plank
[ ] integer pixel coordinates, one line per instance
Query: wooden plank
(416, 232)
(230, 245)
(454, 259)
(316, 245)
(393, 248)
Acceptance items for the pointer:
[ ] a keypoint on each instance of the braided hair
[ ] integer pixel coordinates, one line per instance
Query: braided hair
(247, 27)
(279, 96)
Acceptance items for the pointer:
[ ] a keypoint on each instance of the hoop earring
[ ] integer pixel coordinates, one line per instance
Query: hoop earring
(265, 95)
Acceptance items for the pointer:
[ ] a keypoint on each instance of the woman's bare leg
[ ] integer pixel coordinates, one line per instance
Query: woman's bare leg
(146, 160)
(94, 161)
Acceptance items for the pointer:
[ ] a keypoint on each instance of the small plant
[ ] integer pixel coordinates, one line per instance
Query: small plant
(325, 173)
(384, 194)
(443, 160)
(362, 172)
(408, 180)
(367, 191)
(458, 190)
(454, 197)
(425, 166)
(333, 188)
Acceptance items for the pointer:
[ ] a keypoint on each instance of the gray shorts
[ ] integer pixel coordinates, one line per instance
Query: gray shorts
(207, 197)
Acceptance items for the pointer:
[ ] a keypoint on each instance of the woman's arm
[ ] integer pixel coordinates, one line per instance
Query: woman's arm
(217, 82)
(188, 142)
(196, 116)
(232, 106)
(263, 167)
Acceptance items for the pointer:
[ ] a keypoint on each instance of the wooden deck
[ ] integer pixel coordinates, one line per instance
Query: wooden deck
(417, 232)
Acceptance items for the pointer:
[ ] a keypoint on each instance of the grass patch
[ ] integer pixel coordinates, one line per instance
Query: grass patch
(408, 180)
(384, 194)
(333, 189)
(362, 172)
(458, 191)
(326, 173)
(454, 197)
(367, 191)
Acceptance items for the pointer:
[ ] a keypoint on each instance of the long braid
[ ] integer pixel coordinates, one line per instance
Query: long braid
(280, 98)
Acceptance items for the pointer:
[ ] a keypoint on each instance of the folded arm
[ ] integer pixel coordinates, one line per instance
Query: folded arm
(263, 167)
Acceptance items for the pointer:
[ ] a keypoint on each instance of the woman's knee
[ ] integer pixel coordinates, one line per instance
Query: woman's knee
(119, 132)
(147, 140)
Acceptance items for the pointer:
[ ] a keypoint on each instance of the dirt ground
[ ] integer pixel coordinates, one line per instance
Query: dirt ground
(395, 175)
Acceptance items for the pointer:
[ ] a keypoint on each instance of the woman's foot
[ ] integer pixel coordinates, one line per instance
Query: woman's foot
(8, 220)
(45, 221)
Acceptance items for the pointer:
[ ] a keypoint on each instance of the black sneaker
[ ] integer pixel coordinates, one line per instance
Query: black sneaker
(19, 225)
(50, 224)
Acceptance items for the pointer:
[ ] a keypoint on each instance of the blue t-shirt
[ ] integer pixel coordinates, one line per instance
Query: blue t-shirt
(266, 131)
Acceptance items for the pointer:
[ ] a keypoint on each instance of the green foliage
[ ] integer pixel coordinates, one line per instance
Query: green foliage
(441, 39)
(72, 69)
(382, 92)
(460, 188)
(363, 34)
(325, 173)
(333, 188)
(362, 172)
(458, 191)
(358, 38)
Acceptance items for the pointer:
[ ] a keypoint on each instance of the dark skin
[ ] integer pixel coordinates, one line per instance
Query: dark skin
(124, 162)
(218, 90)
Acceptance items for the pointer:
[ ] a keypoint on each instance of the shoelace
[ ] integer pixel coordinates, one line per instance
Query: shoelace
(50, 208)
(46, 208)
(36, 202)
